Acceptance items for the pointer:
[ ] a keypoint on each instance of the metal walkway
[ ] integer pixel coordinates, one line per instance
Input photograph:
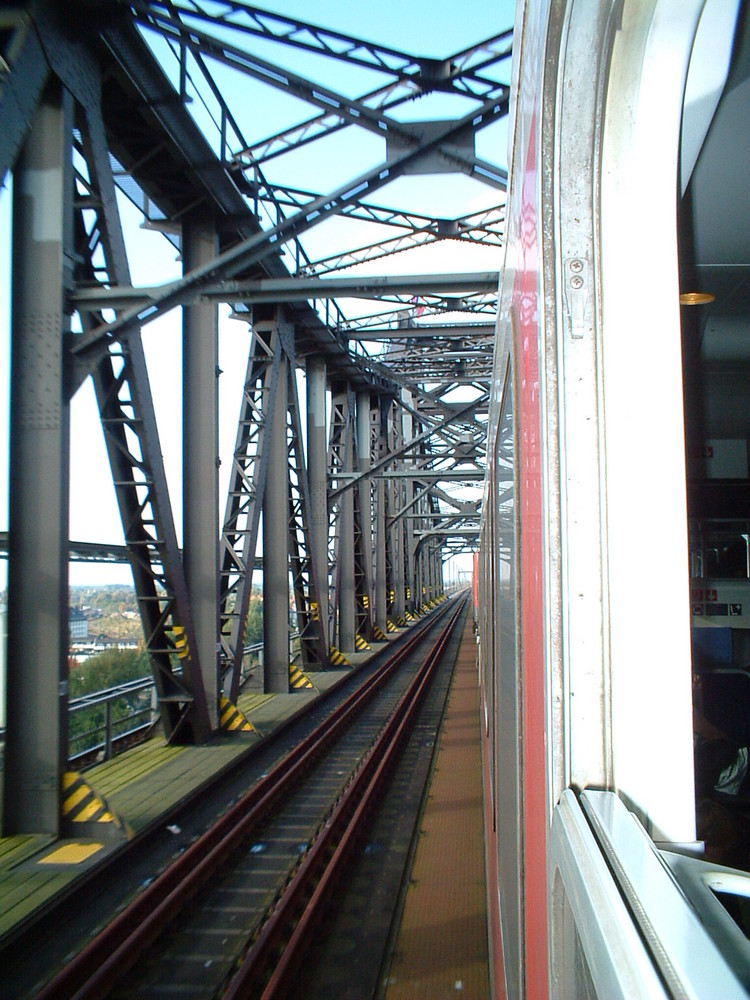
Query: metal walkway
(442, 944)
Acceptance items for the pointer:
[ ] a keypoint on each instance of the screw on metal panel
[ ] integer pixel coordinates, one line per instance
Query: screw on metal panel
(576, 281)
(576, 264)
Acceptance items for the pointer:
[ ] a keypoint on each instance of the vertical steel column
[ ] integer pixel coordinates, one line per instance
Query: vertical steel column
(421, 577)
(381, 571)
(409, 491)
(427, 558)
(364, 457)
(381, 553)
(389, 438)
(305, 586)
(398, 495)
(276, 546)
(345, 568)
(200, 452)
(317, 445)
(37, 685)
(437, 569)
(426, 569)
(365, 461)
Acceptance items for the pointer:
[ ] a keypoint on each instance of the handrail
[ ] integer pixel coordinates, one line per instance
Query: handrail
(102, 737)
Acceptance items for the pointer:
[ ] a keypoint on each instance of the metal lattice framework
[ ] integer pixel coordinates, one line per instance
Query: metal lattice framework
(307, 589)
(143, 108)
(239, 541)
(123, 392)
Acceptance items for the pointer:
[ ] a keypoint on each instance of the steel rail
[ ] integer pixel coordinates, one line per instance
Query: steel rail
(291, 924)
(95, 969)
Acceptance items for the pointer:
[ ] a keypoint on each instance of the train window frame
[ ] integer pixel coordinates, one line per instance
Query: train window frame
(642, 363)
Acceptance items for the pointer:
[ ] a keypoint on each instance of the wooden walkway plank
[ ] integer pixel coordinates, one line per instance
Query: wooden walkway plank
(15, 849)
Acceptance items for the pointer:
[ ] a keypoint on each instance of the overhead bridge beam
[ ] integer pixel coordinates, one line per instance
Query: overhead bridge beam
(435, 475)
(446, 331)
(279, 290)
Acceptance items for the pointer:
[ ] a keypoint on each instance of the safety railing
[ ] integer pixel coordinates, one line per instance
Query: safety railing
(121, 714)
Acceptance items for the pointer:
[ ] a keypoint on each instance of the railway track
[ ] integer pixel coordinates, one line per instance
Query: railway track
(233, 914)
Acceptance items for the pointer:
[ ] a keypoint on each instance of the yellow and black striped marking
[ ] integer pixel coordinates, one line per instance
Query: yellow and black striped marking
(401, 621)
(232, 720)
(365, 601)
(298, 679)
(378, 634)
(361, 643)
(81, 804)
(391, 626)
(314, 613)
(180, 641)
(337, 657)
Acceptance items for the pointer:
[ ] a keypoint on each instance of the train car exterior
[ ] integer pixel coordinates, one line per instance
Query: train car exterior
(598, 884)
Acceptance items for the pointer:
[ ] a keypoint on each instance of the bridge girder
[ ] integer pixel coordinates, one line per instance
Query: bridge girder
(412, 416)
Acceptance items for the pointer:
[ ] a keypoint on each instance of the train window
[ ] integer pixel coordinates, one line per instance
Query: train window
(714, 241)
(721, 553)
(737, 906)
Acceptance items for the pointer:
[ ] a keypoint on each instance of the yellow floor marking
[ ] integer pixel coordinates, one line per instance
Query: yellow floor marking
(70, 854)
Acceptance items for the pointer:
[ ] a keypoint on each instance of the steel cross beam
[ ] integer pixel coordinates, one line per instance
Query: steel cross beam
(298, 289)
(423, 475)
(347, 110)
(299, 198)
(385, 460)
(247, 19)
(461, 230)
(405, 309)
(411, 75)
(255, 248)
(436, 332)
(387, 97)
(352, 111)
(250, 20)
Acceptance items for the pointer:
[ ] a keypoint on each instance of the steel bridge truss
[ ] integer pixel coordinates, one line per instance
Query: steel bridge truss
(100, 108)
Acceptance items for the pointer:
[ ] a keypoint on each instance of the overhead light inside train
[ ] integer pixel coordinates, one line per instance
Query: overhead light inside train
(696, 298)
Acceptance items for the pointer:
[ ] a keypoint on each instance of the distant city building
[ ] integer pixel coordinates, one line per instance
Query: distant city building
(79, 625)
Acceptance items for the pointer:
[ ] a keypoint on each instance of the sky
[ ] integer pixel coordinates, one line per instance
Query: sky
(434, 29)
